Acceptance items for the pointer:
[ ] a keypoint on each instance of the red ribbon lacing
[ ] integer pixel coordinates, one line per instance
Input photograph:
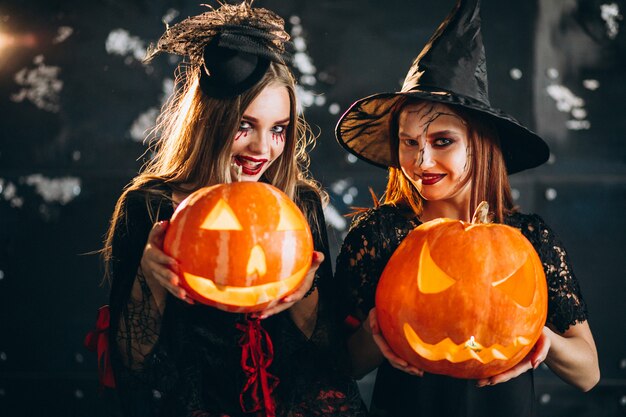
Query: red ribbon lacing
(97, 340)
(257, 353)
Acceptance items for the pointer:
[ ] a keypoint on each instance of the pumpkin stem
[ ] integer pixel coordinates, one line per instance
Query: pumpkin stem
(481, 215)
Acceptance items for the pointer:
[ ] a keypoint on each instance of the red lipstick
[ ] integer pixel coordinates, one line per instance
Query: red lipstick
(431, 179)
(250, 165)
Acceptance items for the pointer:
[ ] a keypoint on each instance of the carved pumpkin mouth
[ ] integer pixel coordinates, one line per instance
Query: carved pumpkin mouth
(244, 296)
(470, 349)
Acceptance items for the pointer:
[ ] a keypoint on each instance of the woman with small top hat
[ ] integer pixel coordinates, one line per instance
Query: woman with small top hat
(446, 150)
(233, 117)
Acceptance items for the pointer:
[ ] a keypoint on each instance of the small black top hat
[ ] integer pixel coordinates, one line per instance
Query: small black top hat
(232, 46)
(451, 69)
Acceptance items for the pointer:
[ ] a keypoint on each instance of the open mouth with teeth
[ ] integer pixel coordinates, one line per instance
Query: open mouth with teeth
(233, 298)
(469, 349)
(250, 165)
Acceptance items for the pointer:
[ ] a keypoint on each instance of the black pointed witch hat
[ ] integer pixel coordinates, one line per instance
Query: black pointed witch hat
(451, 69)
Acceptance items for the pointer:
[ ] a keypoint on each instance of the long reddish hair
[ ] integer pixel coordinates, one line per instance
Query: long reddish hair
(487, 171)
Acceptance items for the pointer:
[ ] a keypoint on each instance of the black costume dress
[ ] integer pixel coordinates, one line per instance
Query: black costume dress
(186, 362)
(372, 239)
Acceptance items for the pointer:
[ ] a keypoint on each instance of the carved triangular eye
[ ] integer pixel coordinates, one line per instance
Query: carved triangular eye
(289, 219)
(430, 278)
(520, 285)
(221, 217)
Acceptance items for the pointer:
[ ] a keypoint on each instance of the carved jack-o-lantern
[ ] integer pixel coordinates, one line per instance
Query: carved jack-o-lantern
(240, 246)
(462, 299)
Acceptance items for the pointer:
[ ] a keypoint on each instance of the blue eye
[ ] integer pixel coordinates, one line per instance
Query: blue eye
(244, 125)
(279, 129)
(442, 142)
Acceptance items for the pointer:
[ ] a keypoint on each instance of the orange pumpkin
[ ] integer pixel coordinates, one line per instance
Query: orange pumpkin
(462, 299)
(240, 246)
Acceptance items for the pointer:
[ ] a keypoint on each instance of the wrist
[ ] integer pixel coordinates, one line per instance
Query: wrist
(365, 325)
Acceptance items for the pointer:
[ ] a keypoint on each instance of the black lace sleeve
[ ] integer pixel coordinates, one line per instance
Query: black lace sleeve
(372, 239)
(566, 305)
(135, 317)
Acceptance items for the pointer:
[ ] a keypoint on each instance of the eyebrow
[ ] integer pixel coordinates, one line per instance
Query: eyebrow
(444, 132)
(254, 119)
(435, 133)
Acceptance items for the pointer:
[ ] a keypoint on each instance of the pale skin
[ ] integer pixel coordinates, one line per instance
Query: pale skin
(257, 144)
(433, 154)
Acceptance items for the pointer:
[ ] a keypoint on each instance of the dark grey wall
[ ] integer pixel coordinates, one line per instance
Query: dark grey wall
(72, 110)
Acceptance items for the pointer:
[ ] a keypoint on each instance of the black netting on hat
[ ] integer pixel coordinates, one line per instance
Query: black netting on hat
(232, 46)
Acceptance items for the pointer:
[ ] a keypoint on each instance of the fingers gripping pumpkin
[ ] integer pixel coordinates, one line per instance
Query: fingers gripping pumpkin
(462, 299)
(240, 246)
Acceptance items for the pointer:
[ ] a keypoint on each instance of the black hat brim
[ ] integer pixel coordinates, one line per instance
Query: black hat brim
(364, 129)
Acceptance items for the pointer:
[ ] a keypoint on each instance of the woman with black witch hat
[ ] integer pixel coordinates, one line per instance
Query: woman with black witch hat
(233, 117)
(447, 150)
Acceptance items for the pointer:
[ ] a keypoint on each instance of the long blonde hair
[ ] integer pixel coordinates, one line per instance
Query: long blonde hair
(488, 175)
(193, 138)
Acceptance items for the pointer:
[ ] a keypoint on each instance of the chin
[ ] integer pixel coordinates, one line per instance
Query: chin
(247, 178)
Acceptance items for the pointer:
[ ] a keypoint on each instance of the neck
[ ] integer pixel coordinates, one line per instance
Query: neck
(451, 209)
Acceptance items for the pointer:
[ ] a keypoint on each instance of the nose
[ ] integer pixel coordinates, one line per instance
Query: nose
(425, 158)
(261, 144)
(256, 262)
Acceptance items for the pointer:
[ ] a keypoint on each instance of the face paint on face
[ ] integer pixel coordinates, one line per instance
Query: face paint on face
(261, 137)
(434, 150)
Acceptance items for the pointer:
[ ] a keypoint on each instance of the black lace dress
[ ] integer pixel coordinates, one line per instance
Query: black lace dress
(372, 239)
(186, 362)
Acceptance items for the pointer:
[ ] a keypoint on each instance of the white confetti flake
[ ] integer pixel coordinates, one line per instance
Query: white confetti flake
(610, 15)
(63, 33)
(334, 108)
(578, 124)
(120, 42)
(334, 218)
(170, 15)
(41, 85)
(55, 190)
(147, 120)
(551, 194)
(568, 102)
(143, 123)
(515, 73)
(591, 84)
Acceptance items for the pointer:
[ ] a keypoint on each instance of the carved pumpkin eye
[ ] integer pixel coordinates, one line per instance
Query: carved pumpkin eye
(520, 285)
(430, 278)
(221, 218)
(289, 219)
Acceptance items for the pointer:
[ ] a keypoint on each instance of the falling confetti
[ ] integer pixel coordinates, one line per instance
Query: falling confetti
(120, 42)
(147, 120)
(591, 84)
(63, 33)
(334, 218)
(610, 15)
(40, 85)
(170, 15)
(55, 190)
(143, 124)
(303, 62)
(568, 102)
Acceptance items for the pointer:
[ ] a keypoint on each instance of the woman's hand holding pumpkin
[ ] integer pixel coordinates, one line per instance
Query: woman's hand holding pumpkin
(371, 324)
(535, 357)
(293, 298)
(160, 268)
